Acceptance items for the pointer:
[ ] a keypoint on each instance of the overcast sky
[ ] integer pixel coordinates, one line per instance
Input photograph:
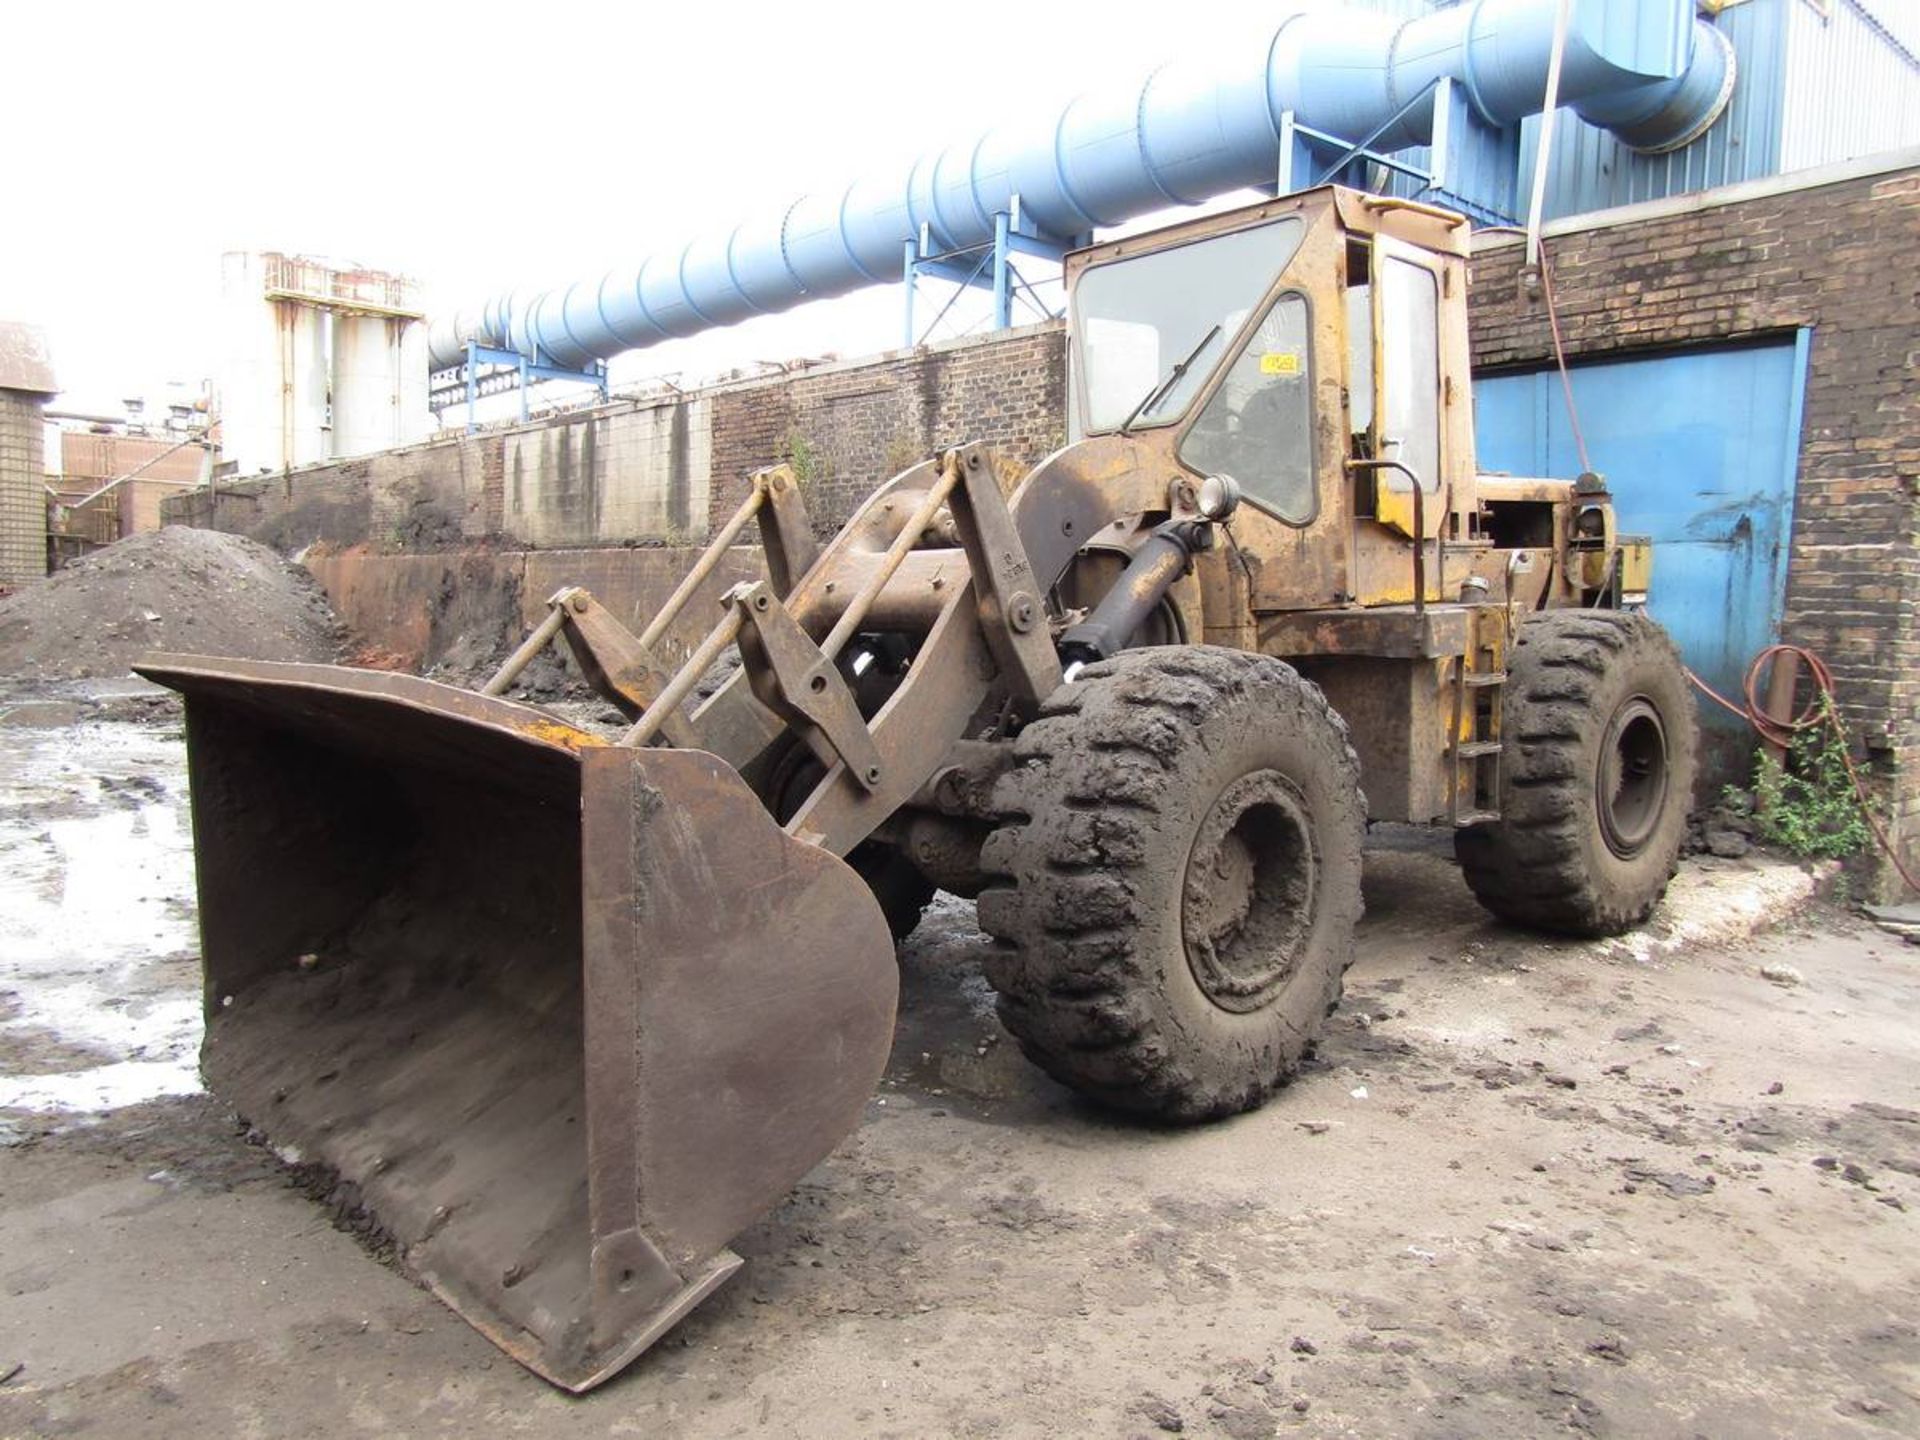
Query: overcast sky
(480, 146)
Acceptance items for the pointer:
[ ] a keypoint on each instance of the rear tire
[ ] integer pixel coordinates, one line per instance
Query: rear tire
(1601, 748)
(1177, 880)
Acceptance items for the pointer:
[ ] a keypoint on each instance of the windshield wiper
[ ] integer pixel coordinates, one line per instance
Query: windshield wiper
(1172, 378)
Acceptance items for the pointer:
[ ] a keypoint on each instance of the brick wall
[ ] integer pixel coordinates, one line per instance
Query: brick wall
(849, 427)
(1838, 258)
(23, 497)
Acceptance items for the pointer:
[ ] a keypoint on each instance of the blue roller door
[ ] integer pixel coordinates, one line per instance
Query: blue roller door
(1700, 449)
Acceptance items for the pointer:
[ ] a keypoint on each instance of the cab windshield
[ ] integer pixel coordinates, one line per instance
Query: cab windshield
(1136, 320)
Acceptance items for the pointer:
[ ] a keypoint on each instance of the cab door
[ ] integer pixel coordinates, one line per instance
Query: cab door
(1271, 419)
(1407, 401)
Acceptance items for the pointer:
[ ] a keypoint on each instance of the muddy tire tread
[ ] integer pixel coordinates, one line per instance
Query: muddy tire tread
(1074, 870)
(1539, 865)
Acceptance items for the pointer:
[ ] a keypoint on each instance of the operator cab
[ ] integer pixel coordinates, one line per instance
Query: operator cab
(1205, 331)
(1151, 329)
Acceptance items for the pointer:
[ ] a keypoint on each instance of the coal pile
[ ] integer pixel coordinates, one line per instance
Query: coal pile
(178, 589)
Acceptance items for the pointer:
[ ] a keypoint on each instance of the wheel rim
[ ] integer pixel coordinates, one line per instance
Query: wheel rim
(1631, 787)
(1252, 881)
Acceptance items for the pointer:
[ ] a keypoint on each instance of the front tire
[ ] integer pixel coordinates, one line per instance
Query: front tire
(1601, 746)
(1177, 880)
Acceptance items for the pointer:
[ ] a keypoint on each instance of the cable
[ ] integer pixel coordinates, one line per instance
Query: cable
(1233, 541)
(1822, 708)
(1560, 359)
(1553, 325)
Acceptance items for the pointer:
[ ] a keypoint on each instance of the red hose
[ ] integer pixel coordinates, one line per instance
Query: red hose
(1821, 709)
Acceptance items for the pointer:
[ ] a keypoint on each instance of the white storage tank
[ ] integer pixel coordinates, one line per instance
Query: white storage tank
(271, 387)
(379, 363)
(318, 361)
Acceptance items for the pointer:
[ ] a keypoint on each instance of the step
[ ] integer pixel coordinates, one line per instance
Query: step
(1474, 817)
(1482, 679)
(1475, 748)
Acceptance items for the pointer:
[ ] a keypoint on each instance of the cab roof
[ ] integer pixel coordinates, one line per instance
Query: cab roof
(1427, 226)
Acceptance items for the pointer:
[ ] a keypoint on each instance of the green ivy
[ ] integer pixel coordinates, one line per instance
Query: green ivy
(809, 465)
(1809, 806)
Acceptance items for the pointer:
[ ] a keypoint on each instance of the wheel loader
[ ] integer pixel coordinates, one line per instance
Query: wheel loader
(560, 1013)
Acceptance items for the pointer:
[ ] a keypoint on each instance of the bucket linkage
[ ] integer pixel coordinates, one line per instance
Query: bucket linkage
(563, 1015)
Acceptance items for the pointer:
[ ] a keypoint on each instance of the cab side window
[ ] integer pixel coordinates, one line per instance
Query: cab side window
(1410, 320)
(1258, 427)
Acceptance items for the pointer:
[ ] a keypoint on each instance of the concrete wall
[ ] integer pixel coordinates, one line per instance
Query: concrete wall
(23, 496)
(663, 469)
(607, 478)
(466, 608)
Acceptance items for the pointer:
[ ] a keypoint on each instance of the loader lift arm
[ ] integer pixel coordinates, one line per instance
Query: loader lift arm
(444, 932)
(981, 603)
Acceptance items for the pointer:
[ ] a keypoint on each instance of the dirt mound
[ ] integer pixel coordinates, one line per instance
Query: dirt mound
(195, 591)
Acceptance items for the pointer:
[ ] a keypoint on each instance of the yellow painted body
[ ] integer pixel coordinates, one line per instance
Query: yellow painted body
(1445, 540)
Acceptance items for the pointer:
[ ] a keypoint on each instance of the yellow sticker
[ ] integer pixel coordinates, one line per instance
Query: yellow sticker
(1280, 362)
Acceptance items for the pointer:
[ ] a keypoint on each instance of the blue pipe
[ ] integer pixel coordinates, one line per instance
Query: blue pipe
(1647, 70)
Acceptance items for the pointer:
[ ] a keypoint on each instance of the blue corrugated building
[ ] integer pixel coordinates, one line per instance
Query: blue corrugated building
(1817, 81)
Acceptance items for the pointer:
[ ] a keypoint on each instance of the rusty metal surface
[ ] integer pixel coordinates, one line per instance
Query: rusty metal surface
(1011, 604)
(799, 682)
(710, 558)
(1399, 632)
(1354, 550)
(786, 534)
(526, 652)
(1396, 713)
(1067, 500)
(562, 1018)
(621, 666)
(1366, 215)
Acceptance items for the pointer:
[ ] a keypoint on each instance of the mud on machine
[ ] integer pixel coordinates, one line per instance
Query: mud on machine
(565, 1013)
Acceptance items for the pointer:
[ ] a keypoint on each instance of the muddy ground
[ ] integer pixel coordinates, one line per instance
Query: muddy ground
(1527, 1188)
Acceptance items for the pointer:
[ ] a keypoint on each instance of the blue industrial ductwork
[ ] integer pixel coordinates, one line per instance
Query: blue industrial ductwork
(1647, 70)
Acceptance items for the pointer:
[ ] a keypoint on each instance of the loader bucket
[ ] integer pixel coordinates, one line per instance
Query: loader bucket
(559, 1019)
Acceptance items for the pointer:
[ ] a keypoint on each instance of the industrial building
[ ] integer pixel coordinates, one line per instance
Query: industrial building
(26, 383)
(1720, 203)
(106, 477)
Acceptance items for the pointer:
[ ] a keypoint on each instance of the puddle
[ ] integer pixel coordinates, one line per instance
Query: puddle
(96, 885)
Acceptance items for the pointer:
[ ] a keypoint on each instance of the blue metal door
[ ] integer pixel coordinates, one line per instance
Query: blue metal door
(1700, 449)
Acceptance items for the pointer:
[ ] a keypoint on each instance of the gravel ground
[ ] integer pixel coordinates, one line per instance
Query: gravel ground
(1526, 1188)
